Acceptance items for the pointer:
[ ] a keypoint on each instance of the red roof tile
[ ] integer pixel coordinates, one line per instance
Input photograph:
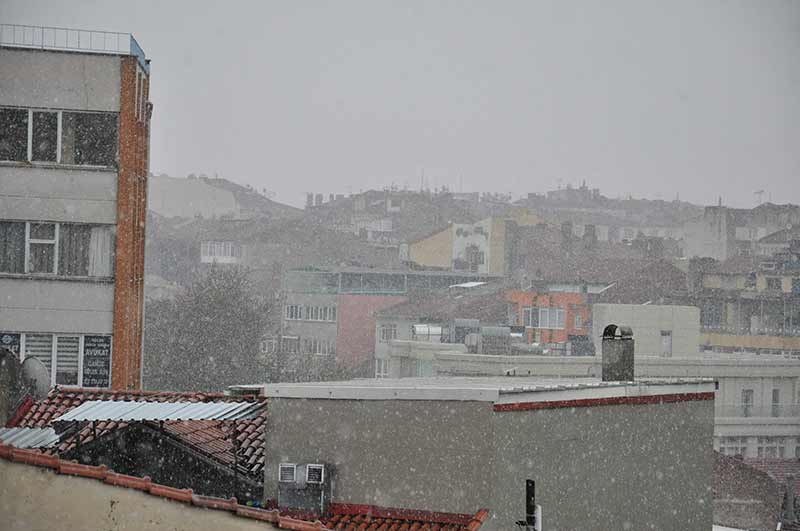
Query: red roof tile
(349, 517)
(216, 439)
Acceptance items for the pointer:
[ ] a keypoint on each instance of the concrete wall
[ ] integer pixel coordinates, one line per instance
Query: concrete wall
(61, 306)
(474, 234)
(37, 499)
(69, 195)
(596, 468)
(607, 467)
(647, 322)
(370, 442)
(59, 80)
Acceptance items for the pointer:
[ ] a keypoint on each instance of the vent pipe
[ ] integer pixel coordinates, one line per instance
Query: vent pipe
(618, 351)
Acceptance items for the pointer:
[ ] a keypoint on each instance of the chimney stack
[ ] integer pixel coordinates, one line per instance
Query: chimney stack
(618, 351)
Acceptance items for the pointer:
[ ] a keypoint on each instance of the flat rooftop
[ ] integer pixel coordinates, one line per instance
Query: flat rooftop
(72, 40)
(497, 389)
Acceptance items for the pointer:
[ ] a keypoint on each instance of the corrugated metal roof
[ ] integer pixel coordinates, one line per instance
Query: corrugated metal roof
(29, 437)
(109, 410)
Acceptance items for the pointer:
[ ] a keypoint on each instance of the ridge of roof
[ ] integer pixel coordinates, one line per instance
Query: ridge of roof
(274, 516)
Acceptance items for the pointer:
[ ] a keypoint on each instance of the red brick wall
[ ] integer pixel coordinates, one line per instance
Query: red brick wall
(573, 303)
(134, 134)
(355, 341)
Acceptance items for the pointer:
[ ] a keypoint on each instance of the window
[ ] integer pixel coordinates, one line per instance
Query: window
(666, 343)
(771, 447)
(67, 348)
(381, 368)
(14, 134)
(554, 318)
(44, 143)
(315, 474)
(71, 359)
(796, 286)
(388, 332)
(56, 248)
(89, 138)
(12, 247)
(294, 312)
(733, 446)
(286, 472)
(318, 346)
(774, 283)
(82, 138)
(578, 321)
(776, 402)
(747, 402)
(42, 247)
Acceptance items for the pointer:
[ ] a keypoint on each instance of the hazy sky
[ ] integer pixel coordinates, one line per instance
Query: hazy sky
(652, 98)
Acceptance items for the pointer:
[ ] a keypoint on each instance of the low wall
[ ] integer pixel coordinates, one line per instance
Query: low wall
(33, 499)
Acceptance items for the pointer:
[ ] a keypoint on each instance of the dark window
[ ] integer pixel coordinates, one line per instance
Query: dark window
(89, 138)
(773, 283)
(14, 134)
(42, 248)
(12, 247)
(45, 136)
(73, 250)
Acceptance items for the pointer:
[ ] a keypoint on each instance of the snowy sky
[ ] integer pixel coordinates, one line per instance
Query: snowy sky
(649, 97)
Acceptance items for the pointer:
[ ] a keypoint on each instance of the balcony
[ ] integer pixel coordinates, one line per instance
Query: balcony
(749, 410)
(71, 40)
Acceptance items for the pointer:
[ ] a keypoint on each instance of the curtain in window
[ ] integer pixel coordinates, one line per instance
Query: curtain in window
(73, 254)
(67, 360)
(101, 252)
(40, 346)
(12, 247)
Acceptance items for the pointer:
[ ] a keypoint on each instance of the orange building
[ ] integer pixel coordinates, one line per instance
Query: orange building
(550, 317)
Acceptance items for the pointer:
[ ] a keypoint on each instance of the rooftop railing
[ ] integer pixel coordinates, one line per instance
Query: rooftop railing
(761, 411)
(777, 331)
(75, 40)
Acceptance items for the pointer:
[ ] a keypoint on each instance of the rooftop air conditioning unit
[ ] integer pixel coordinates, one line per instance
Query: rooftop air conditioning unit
(305, 487)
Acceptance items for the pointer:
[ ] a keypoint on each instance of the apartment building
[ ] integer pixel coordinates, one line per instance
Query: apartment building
(74, 154)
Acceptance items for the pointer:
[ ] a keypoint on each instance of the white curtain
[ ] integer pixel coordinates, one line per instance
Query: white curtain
(100, 252)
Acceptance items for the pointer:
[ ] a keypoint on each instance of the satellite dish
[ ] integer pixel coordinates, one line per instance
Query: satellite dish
(37, 377)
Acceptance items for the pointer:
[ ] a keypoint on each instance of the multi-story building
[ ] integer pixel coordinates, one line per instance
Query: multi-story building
(757, 412)
(331, 314)
(74, 154)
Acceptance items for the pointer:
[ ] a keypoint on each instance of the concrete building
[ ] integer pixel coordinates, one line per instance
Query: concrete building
(598, 452)
(660, 330)
(757, 406)
(74, 155)
(331, 314)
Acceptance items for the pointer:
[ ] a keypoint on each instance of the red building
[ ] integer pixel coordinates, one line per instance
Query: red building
(355, 342)
(550, 317)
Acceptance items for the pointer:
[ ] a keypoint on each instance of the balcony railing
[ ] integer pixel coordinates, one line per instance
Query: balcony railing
(777, 331)
(65, 39)
(748, 410)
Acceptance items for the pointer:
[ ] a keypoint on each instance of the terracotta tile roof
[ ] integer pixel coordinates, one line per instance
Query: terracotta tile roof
(777, 468)
(360, 517)
(489, 308)
(348, 517)
(216, 439)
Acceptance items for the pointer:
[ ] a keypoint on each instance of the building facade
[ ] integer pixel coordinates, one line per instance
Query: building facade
(74, 146)
(452, 444)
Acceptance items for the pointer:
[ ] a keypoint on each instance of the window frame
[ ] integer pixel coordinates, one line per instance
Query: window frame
(23, 337)
(56, 242)
(59, 137)
(387, 327)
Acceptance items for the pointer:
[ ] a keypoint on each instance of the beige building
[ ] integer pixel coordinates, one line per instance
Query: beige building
(658, 330)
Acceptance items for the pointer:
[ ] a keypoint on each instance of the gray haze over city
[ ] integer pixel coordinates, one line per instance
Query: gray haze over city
(653, 99)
